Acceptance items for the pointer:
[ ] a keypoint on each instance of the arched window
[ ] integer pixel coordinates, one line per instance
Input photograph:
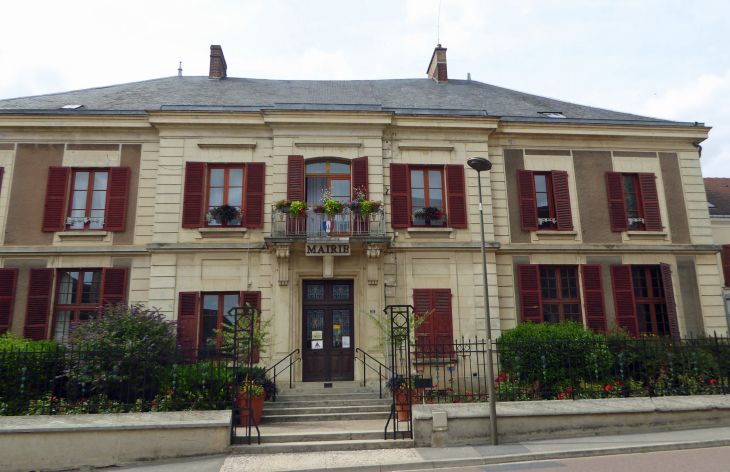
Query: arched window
(330, 175)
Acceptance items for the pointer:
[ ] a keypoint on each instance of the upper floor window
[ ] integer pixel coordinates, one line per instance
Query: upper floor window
(327, 177)
(633, 202)
(544, 200)
(427, 191)
(78, 296)
(78, 199)
(225, 187)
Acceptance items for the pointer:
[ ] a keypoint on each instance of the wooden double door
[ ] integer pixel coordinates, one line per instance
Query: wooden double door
(328, 352)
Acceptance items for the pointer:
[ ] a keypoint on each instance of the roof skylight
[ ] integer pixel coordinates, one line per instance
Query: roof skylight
(71, 107)
(552, 114)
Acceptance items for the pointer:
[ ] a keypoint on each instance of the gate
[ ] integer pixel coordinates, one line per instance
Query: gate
(244, 320)
(399, 320)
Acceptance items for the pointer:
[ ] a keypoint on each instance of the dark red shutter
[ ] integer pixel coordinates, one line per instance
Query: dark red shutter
(360, 176)
(38, 308)
(424, 333)
(400, 196)
(561, 194)
(114, 286)
(254, 300)
(725, 260)
(2, 173)
(187, 319)
(253, 214)
(442, 326)
(671, 303)
(530, 299)
(456, 196)
(116, 199)
(528, 203)
(616, 203)
(194, 196)
(650, 198)
(54, 210)
(8, 279)
(295, 179)
(593, 297)
(623, 296)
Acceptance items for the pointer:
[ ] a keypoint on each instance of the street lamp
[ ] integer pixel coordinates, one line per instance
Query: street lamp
(480, 164)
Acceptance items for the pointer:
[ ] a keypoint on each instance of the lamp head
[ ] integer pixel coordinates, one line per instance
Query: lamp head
(479, 163)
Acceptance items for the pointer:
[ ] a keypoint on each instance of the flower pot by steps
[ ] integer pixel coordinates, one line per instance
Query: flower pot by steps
(402, 406)
(257, 404)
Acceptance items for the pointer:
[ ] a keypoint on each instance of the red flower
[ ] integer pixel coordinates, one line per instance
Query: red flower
(618, 384)
(608, 387)
(568, 390)
(560, 396)
(502, 377)
(449, 389)
(712, 381)
(169, 391)
(456, 400)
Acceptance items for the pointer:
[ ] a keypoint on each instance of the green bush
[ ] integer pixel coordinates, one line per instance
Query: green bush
(26, 370)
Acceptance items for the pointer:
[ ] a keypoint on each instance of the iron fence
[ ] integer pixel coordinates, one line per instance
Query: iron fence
(562, 369)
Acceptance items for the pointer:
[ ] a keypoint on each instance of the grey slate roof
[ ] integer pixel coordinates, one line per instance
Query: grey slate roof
(407, 96)
(718, 195)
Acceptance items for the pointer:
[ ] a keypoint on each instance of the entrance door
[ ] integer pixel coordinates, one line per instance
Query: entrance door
(328, 322)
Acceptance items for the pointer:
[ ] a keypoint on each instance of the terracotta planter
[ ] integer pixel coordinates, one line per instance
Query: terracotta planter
(402, 406)
(257, 404)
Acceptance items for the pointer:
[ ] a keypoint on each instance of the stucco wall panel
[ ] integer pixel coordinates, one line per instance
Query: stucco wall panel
(590, 176)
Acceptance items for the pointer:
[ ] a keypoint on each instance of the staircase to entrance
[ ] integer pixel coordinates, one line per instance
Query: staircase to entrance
(318, 416)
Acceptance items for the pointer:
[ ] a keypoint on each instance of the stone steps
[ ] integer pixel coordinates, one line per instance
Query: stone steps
(320, 446)
(324, 417)
(290, 398)
(270, 406)
(324, 410)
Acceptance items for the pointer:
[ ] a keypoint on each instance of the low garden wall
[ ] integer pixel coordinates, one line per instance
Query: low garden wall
(71, 441)
(468, 423)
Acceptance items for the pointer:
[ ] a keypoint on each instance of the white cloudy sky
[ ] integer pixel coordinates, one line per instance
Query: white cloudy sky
(662, 58)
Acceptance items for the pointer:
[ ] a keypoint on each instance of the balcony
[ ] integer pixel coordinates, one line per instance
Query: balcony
(322, 225)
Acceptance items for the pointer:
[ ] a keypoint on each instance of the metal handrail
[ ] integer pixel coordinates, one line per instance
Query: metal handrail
(380, 367)
(289, 366)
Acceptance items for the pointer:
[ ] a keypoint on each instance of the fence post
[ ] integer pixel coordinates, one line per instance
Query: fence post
(719, 358)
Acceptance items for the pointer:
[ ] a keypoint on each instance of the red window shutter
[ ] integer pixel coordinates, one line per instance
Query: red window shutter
(194, 196)
(54, 210)
(39, 304)
(187, 319)
(114, 286)
(671, 303)
(725, 260)
(254, 212)
(442, 326)
(528, 203)
(593, 297)
(360, 176)
(254, 300)
(616, 202)
(8, 279)
(424, 333)
(623, 296)
(400, 196)
(456, 196)
(530, 299)
(295, 179)
(561, 194)
(2, 173)
(650, 198)
(116, 199)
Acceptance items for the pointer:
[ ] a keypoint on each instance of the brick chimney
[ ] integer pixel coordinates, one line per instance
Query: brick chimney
(437, 68)
(217, 63)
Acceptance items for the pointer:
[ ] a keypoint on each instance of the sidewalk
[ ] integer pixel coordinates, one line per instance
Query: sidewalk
(431, 458)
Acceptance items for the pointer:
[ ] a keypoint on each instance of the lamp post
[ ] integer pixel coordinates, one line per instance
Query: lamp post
(480, 164)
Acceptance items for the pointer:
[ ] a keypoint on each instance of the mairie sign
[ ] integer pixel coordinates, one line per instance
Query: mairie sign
(328, 250)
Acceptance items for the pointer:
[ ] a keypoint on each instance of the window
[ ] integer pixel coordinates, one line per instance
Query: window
(413, 188)
(559, 292)
(435, 335)
(544, 200)
(225, 187)
(427, 190)
(651, 304)
(633, 202)
(215, 315)
(725, 261)
(88, 199)
(8, 279)
(78, 296)
(331, 176)
(552, 114)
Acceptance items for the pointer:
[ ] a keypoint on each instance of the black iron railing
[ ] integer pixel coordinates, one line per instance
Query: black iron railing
(290, 361)
(367, 363)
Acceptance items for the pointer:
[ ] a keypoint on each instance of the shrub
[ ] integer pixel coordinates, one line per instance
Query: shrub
(26, 369)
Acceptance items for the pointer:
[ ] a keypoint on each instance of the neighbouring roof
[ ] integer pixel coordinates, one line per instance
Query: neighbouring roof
(404, 96)
(718, 195)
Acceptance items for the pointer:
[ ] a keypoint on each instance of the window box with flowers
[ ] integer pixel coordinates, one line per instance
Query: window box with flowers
(431, 214)
(230, 215)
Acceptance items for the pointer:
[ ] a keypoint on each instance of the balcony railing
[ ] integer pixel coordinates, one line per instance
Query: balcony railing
(321, 225)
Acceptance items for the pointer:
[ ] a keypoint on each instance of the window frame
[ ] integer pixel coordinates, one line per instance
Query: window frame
(226, 177)
(89, 196)
(219, 324)
(330, 177)
(78, 306)
(650, 300)
(560, 301)
(551, 226)
(426, 196)
(639, 201)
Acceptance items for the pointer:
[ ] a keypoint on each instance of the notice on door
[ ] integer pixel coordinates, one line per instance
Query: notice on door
(345, 341)
(328, 250)
(317, 344)
(317, 335)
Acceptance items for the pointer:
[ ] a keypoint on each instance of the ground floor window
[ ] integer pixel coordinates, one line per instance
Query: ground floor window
(78, 296)
(436, 333)
(215, 316)
(559, 290)
(651, 303)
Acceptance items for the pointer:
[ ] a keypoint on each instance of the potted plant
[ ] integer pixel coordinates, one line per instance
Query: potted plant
(298, 209)
(282, 205)
(400, 389)
(253, 396)
(430, 214)
(225, 213)
(332, 207)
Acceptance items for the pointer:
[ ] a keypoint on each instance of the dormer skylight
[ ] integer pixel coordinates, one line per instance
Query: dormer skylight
(71, 107)
(551, 114)
(710, 205)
